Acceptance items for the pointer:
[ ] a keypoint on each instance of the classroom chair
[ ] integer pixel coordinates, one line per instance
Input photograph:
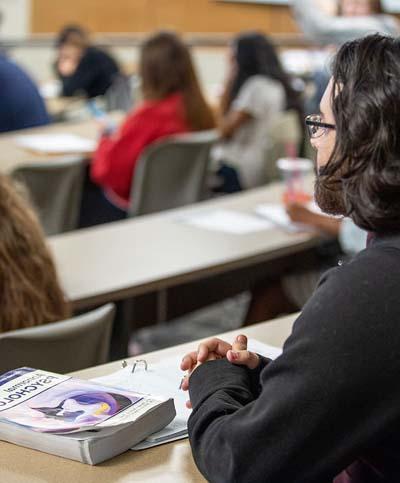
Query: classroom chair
(119, 96)
(286, 135)
(172, 173)
(65, 346)
(55, 189)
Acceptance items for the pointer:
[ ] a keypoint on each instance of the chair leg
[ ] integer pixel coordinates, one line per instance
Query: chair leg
(162, 306)
(121, 329)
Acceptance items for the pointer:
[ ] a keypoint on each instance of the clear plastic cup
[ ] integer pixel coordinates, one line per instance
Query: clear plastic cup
(294, 172)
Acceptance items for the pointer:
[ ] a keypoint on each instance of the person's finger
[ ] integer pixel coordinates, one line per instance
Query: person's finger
(185, 383)
(188, 361)
(243, 358)
(189, 404)
(218, 346)
(240, 343)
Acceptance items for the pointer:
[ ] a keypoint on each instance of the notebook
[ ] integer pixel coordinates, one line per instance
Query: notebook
(164, 379)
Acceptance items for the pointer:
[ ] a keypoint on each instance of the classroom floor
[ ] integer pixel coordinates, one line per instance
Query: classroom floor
(214, 319)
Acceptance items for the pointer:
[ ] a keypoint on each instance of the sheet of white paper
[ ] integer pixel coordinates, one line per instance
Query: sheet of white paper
(164, 379)
(50, 89)
(226, 221)
(276, 213)
(59, 143)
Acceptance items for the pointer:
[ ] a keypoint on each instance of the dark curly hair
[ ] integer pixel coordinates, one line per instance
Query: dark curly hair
(365, 163)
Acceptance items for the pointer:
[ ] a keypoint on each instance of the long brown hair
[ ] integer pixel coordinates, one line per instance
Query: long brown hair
(166, 67)
(29, 290)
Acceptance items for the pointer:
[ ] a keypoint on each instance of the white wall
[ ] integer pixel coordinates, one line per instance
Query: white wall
(15, 18)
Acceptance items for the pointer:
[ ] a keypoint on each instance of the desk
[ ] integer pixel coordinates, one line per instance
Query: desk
(170, 463)
(156, 252)
(13, 156)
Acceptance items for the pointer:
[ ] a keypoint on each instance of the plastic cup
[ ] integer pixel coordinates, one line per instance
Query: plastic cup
(294, 172)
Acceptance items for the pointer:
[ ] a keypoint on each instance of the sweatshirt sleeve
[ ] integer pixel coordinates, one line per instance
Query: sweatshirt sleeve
(333, 29)
(116, 156)
(322, 401)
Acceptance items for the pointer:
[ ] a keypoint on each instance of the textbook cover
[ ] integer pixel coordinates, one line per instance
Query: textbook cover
(54, 413)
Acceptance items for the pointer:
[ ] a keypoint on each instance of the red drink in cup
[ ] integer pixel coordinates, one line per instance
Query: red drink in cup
(294, 172)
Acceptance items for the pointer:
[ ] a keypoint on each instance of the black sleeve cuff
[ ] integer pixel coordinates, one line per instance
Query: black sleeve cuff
(217, 375)
(254, 375)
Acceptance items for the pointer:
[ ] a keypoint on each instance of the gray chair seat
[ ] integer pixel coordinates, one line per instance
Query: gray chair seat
(64, 346)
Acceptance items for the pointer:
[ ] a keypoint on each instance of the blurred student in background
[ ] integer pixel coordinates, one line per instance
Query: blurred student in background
(290, 292)
(21, 104)
(82, 68)
(173, 103)
(335, 22)
(256, 90)
(30, 292)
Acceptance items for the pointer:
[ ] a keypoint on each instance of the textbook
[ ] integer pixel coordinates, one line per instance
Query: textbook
(164, 378)
(76, 419)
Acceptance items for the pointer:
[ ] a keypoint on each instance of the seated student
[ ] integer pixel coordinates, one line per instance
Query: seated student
(290, 292)
(256, 91)
(327, 409)
(173, 103)
(30, 292)
(82, 68)
(350, 19)
(21, 104)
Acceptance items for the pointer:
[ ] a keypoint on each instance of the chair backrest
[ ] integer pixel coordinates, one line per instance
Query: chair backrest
(119, 96)
(65, 346)
(171, 173)
(55, 189)
(285, 133)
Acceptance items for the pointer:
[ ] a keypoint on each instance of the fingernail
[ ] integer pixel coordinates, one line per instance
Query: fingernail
(180, 385)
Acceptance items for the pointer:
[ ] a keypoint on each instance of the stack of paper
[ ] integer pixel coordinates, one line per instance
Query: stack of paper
(227, 221)
(276, 214)
(58, 143)
(164, 380)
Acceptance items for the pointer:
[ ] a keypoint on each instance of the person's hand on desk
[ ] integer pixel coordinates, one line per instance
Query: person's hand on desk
(214, 349)
(299, 213)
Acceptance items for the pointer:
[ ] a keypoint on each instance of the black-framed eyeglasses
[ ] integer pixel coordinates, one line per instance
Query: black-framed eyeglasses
(316, 127)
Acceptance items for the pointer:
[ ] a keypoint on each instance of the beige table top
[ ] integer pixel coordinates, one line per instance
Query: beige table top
(148, 253)
(12, 156)
(170, 463)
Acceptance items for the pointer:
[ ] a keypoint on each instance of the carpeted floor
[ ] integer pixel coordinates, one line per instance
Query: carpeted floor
(226, 315)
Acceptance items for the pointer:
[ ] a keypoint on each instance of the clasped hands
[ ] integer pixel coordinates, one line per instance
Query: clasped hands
(213, 349)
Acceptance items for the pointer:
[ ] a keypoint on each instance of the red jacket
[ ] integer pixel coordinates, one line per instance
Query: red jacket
(115, 159)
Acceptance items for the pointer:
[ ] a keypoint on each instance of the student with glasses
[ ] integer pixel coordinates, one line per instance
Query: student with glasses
(327, 409)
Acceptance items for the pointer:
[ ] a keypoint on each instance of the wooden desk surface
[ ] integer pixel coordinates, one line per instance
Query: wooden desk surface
(12, 155)
(154, 252)
(170, 463)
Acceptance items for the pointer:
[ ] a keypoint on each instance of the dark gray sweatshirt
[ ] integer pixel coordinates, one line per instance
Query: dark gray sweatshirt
(329, 406)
